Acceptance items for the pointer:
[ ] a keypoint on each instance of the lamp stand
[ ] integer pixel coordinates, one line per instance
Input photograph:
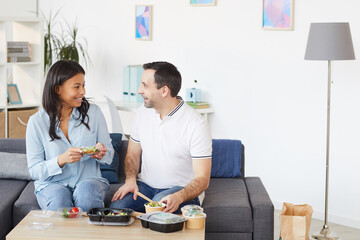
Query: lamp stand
(325, 231)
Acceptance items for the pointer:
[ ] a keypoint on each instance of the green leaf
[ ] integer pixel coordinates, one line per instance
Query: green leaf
(66, 45)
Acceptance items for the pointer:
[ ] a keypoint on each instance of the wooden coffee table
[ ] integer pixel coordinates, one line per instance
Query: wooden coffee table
(80, 228)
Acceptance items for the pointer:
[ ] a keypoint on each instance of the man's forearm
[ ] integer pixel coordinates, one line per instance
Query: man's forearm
(131, 168)
(193, 189)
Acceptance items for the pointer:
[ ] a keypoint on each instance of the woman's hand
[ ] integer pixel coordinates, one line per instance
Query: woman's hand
(70, 156)
(102, 152)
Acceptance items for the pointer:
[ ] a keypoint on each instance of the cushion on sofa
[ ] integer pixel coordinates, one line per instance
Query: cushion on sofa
(10, 191)
(227, 206)
(13, 145)
(226, 158)
(14, 166)
(124, 146)
(110, 172)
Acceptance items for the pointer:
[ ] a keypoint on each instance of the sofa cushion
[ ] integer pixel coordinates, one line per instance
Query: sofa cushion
(227, 158)
(113, 188)
(13, 145)
(10, 191)
(110, 172)
(227, 206)
(124, 145)
(14, 166)
(25, 203)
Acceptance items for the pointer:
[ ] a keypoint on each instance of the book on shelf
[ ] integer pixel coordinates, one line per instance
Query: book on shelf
(19, 59)
(18, 51)
(17, 44)
(198, 105)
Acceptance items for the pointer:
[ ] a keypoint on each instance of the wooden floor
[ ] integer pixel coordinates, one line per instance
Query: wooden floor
(345, 233)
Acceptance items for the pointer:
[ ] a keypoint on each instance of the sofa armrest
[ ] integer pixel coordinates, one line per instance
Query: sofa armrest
(262, 209)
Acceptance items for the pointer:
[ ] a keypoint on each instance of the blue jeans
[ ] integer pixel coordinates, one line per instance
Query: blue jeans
(87, 194)
(152, 193)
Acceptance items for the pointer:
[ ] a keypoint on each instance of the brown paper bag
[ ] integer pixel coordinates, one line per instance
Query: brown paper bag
(295, 221)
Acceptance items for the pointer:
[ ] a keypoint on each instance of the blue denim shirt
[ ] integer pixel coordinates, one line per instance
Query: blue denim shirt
(42, 153)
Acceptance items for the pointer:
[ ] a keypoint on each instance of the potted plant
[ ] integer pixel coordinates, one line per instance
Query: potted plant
(69, 46)
(51, 41)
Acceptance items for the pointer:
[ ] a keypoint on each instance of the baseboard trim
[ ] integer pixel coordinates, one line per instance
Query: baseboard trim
(341, 220)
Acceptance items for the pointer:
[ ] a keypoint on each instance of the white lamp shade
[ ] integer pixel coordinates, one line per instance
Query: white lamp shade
(329, 41)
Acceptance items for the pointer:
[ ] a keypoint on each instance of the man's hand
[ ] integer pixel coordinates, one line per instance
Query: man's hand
(129, 186)
(70, 156)
(172, 202)
(102, 152)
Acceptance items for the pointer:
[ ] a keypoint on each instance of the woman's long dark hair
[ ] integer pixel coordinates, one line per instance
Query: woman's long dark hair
(58, 73)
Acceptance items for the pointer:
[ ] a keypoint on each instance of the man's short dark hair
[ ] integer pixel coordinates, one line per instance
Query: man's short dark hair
(166, 74)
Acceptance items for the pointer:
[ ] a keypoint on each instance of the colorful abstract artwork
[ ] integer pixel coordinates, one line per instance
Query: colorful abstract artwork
(143, 22)
(202, 2)
(277, 14)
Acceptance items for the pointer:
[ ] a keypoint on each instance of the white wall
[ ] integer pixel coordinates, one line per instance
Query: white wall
(18, 8)
(263, 90)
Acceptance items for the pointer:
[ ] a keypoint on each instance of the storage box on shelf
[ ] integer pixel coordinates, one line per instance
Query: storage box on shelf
(17, 122)
(27, 75)
(2, 124)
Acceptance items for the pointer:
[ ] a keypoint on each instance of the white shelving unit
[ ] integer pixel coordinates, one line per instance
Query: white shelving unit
(28, 76)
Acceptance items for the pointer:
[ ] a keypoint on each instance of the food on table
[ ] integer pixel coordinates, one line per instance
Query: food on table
(75, 209)
(194, 213)
(154, 207)
(90, 150)
(73, 213)
(121, 213)
(154, 204)
(191, 210)
(192, 207)
(109, 216)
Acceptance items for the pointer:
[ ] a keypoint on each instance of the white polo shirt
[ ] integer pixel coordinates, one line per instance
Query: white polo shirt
(170, 145)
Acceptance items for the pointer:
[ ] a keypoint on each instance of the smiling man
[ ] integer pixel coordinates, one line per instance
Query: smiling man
(174, 142)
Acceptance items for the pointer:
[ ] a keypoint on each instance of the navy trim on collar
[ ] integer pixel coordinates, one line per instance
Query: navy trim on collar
(137, 141)
(201, 156)
(177, 107)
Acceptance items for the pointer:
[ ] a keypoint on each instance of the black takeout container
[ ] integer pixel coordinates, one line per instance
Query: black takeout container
(150, 220)
(100, 214)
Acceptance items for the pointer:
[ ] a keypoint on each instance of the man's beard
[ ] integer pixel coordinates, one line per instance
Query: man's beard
(149, 104)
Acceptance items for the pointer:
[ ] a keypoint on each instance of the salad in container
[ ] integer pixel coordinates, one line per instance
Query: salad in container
(88, 151)
(190, 209)
(110, 215)
(70, 212)
(154, 207)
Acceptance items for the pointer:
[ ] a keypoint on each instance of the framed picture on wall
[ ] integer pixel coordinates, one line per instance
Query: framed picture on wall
(13, 94)
(202, 2)
(278, 14)
(143, 21)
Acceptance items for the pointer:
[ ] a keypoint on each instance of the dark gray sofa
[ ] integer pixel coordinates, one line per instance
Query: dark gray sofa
(236, 208)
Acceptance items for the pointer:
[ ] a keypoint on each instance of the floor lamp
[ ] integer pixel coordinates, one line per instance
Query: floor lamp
(328, 42)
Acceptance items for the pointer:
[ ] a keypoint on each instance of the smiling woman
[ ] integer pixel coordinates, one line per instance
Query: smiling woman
(61, 93)
(72, 92)
(54, 139)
